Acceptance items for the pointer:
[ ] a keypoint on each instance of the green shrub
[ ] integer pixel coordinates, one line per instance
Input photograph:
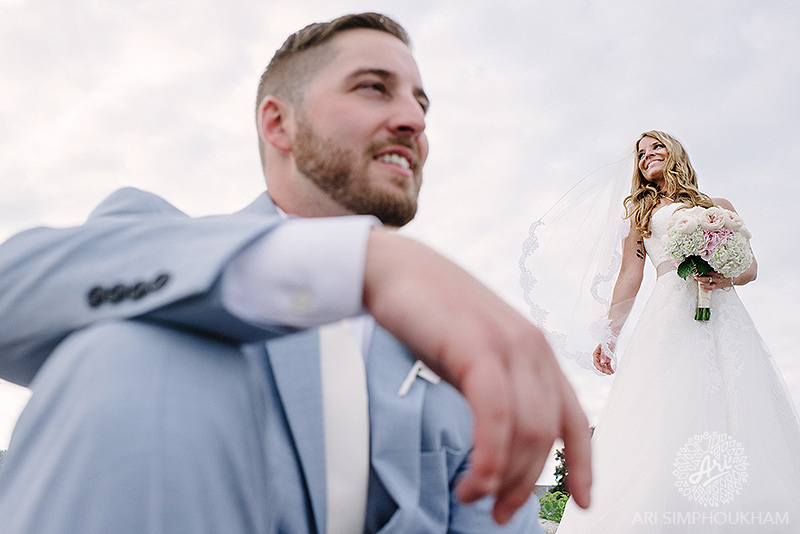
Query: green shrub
(561, 473)
(551, 505)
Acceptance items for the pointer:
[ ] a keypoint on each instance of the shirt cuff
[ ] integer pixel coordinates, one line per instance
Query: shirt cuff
(304, 273)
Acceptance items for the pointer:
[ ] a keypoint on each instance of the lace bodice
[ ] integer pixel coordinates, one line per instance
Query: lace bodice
(658, 229)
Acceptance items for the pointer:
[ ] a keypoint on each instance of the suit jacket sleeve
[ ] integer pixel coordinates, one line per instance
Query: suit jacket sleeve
(136, 256)
(476, 518)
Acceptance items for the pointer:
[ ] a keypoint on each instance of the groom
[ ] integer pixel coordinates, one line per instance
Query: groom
(176, 363)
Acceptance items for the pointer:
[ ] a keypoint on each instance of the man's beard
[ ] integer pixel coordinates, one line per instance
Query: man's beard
(335, 171)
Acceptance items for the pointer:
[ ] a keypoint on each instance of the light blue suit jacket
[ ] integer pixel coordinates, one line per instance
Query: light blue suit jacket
(139, 281)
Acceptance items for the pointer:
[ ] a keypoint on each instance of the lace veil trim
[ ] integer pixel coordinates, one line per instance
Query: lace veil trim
(570, 263)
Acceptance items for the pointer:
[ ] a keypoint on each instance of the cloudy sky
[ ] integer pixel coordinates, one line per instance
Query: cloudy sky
(528, 97)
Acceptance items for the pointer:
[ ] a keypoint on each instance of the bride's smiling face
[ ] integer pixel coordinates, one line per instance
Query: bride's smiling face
(652, 156)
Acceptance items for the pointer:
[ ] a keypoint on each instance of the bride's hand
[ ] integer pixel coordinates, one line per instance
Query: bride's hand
(602, 362)
(713, 281)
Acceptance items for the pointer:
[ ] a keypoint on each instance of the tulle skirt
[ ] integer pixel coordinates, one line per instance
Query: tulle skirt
(699, 432)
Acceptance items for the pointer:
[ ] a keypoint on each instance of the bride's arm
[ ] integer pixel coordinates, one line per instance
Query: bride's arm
(626, 287)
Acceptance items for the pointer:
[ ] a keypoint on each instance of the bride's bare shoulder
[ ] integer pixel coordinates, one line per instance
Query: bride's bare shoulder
(723, 203)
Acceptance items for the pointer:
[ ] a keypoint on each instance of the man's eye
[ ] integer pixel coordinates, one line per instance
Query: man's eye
(376, 87)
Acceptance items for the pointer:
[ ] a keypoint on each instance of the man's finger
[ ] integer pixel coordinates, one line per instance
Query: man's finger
(534, 431)
(577, 449)
(487, 392)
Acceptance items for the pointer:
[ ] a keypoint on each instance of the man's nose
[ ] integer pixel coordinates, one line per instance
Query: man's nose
(408, 118)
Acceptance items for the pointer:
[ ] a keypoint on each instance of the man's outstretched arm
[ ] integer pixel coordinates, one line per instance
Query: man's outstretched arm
(499, 361)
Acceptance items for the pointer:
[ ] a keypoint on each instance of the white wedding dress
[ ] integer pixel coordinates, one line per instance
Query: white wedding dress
(698, 433)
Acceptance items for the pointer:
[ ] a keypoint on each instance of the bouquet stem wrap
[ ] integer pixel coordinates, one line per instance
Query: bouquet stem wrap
(703, 312)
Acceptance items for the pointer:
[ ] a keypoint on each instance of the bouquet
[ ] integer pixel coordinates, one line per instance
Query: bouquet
(704, 240)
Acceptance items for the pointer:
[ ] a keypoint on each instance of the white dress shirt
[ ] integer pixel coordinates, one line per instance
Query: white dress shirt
(304, 273)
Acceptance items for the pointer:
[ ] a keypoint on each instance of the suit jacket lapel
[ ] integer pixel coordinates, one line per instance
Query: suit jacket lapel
(395, 440)
(295, 366)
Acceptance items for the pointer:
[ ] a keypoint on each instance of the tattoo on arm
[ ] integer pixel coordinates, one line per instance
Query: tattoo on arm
(640, 249)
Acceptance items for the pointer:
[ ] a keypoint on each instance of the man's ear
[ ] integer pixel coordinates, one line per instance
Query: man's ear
(275, 118)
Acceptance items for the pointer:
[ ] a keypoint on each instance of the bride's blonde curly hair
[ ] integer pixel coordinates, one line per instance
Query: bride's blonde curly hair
(680, 182)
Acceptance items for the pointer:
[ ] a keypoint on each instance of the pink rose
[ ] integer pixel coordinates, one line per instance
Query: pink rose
(712, 239)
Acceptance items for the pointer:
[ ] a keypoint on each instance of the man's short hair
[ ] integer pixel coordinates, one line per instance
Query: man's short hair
(301, 57)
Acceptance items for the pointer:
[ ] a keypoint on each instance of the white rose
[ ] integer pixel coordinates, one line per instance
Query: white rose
(685, 225)
(745, 232)
(695, 210)
(733, 221)
(712, 218)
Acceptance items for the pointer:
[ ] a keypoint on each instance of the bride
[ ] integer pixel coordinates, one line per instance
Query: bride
(698, 433)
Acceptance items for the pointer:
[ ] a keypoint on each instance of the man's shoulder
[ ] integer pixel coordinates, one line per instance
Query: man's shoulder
(133, 202)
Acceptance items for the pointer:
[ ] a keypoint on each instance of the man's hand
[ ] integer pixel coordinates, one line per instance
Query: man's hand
(499, 361)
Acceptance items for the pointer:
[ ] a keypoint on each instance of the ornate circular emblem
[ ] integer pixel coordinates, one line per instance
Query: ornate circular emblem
(711, 469)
